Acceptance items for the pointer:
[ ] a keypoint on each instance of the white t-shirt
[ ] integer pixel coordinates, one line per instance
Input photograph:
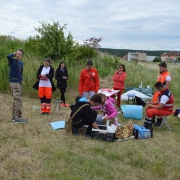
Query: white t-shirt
(168, 78)
(164, 99)
(45, 83)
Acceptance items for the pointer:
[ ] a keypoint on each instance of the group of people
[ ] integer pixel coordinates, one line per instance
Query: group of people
(88, 83)
(163, 100)
(161, 105)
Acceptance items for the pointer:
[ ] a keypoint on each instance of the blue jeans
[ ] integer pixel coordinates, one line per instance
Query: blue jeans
(90, 93)
(99, 120)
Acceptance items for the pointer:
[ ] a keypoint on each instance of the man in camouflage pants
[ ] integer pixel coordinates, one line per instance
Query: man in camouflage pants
(15, 79)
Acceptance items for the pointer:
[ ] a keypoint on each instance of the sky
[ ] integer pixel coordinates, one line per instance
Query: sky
(123, 24)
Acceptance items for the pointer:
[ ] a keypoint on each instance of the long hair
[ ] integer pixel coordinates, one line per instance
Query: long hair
(64, 66)
(123, 67)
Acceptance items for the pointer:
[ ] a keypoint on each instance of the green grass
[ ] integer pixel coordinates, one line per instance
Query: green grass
(35, 151)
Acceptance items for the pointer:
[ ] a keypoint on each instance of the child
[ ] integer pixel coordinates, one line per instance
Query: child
(107, 107)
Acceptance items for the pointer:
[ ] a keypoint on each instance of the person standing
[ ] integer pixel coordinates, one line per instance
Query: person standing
(119, 81)
(165, 78)
(61, 76)
(88, 81)
(45, 86)
(15, 79)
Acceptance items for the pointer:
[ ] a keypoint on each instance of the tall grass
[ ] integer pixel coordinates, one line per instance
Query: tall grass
(35, 151)
(137, 72)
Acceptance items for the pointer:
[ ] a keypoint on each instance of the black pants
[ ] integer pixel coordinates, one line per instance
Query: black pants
(85, 122)
(63, 90)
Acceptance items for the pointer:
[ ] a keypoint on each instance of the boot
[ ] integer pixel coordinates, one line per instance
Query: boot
(153, 120)
(159, 121)
(148, 125)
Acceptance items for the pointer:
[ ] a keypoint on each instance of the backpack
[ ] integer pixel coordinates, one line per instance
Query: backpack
(69, 123)
(139, 101)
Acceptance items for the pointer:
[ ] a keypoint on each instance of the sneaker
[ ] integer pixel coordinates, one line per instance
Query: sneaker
(87, 135)
(62, 104)
(13, 119)
(74, 131)
(20, 121)
(159, 122)
(43, 113)
(66, 105)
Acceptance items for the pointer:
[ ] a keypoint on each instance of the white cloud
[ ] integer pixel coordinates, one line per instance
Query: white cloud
(140, 24)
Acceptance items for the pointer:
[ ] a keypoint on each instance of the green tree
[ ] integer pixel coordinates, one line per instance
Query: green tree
(51, 41)
(80, 54)
(157, 59)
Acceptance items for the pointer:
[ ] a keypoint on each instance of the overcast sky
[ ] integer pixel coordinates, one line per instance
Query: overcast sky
(123, 24)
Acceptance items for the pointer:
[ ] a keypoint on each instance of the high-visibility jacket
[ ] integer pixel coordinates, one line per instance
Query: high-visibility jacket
(119, 80)
(161, 78)
(89, 80)
(169, 105)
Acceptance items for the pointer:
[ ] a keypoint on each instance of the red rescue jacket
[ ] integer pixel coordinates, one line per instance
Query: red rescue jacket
(169, 105)
(119, 80)
(89, 80)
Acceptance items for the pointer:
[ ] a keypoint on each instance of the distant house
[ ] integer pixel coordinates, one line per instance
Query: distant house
(139, 56)
(170, 56)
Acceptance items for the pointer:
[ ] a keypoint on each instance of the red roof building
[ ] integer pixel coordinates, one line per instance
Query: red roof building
(170, 56)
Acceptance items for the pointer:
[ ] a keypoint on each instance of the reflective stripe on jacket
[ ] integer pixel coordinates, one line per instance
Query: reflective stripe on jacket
(169, 105)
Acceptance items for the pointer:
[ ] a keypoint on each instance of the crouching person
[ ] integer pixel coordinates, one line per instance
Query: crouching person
(107, 106)
(85, 116)
(163, 107)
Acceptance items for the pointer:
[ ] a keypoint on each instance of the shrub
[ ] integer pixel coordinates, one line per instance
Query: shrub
(157, 59)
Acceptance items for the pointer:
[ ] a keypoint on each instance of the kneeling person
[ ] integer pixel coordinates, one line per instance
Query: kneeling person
(85, 116)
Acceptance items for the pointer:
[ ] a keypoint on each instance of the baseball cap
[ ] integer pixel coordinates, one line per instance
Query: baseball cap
(163, 64)
(89, 62)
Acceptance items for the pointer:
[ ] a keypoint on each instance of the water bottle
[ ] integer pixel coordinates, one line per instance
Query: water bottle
(140, 86)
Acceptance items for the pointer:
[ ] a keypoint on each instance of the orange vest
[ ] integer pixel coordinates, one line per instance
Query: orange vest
(169, 105)
(161, 78)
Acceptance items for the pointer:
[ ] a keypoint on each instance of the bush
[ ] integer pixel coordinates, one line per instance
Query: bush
(51, 41)
(157, 59)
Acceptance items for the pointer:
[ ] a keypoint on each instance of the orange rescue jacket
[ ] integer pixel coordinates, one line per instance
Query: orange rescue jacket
(169, 105)
(119, 80)
(89, 80)
(161, 78)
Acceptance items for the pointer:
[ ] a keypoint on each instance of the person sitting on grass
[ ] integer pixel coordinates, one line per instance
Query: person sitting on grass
(162, 107)
(108, 108)
(85, 116)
